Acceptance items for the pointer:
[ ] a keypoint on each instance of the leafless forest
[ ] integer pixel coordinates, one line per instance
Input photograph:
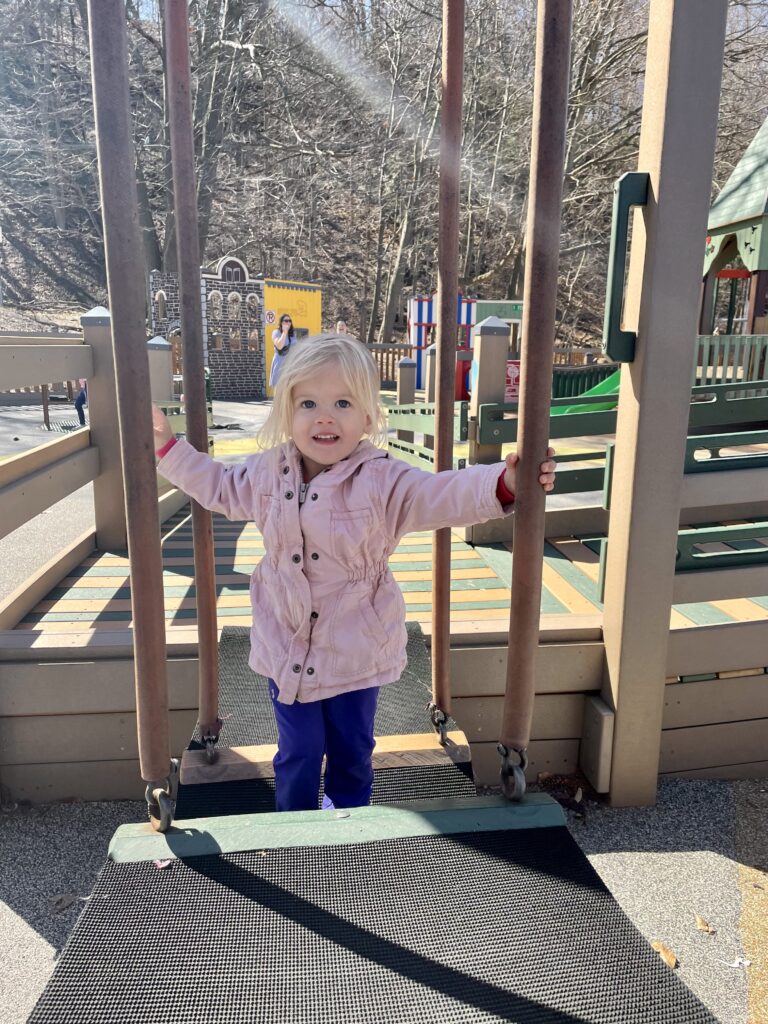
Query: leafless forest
(317, 126)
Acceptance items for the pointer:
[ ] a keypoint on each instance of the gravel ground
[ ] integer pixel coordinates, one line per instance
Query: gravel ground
(663, 864)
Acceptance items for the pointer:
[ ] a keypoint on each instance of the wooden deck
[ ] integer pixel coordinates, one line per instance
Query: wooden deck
(97, 594)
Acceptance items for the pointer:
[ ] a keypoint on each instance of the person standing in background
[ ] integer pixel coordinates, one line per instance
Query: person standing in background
(341, 327)
(282, 338)
(81, 400)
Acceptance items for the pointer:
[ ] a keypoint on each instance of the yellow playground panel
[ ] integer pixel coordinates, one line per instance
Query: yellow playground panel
(302, 302)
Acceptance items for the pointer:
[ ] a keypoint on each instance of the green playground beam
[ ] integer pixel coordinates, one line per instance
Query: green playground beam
(199, 837)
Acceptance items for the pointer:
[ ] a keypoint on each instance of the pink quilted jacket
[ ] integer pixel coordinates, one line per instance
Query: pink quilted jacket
(328, 616)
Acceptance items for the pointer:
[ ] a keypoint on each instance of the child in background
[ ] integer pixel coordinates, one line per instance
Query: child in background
(328, 617)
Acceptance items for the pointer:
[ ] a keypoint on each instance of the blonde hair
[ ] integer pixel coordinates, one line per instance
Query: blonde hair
(311, 356)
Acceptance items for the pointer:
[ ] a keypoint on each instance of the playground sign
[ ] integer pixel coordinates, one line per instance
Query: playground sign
(512, 386)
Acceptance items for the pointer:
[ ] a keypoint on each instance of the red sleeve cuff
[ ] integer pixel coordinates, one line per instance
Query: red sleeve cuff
(505, 496)
(166, 448)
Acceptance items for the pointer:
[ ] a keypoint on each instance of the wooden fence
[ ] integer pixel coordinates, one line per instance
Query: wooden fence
(722, 358)
(387, 357)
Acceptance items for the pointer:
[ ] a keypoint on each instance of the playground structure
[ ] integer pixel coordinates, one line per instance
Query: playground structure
(716, 651)
(599, 682)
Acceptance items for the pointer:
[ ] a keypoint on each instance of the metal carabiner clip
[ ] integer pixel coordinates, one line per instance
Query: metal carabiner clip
(513, 775)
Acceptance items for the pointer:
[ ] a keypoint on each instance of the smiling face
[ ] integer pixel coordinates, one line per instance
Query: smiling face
(328, 421)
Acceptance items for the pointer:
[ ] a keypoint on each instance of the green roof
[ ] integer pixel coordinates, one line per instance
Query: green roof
(745, 195)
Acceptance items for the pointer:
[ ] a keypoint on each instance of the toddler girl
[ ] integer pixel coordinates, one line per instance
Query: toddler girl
(328, 617)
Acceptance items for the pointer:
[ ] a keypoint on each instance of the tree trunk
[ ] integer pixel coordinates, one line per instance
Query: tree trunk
(153, 257)
(395, 290)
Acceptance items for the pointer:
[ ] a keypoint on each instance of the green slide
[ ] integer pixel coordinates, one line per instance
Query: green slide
(609, 386)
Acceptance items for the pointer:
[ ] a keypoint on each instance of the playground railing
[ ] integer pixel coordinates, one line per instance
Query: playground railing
(34, 480)
(420, 418)
(737, 406)
(707, 548)
(573, 355)
(723, 358)
(387, 357)
(712, 405)
(497, 423)
(570, 381)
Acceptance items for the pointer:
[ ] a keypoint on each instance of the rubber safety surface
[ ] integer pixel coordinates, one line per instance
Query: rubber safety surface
(246, 708)
(248, 719)
(506, 926)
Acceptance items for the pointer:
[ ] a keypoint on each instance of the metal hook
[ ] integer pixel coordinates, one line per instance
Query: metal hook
(513, 774)
(439, 720)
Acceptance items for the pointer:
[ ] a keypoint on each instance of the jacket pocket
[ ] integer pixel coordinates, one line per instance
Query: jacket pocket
(357, 635)
(351, 534)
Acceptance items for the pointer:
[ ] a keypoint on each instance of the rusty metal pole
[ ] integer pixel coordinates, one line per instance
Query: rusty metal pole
(550, 102)
(127, 303)
(448, 293)
(179, 84)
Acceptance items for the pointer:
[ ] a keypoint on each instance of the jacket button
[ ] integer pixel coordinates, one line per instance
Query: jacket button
(297, 668)
(315, 556)
(313, 615)
(296, 558)
(314, 497)
(289, 494)
(310, 671)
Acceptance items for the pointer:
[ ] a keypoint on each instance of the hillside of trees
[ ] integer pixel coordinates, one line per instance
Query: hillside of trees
(317, 136)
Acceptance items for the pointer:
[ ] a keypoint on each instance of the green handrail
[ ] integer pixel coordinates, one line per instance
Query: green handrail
(630, 190)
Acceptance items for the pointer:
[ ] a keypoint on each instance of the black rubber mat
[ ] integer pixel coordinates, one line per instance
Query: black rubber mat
(390, 785)
(246, 709)
(471, 928)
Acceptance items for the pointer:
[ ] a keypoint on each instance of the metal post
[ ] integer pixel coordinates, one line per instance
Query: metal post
(550, 100)
(188, 255)
(490, 351)
(448, 291)
(430, 362)
(125, 281)
(406, 391)
(108, 488)
(44, 399)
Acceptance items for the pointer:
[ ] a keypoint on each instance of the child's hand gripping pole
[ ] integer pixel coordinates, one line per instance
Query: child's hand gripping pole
(162, 428)
(546, 472)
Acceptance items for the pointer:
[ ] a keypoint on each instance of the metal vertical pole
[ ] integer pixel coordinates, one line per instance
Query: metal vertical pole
(127, 299)
(550, 101)
(179, 86)
(448, 292)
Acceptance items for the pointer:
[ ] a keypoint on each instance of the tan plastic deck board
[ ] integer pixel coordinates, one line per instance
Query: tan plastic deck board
(556, 756)
(97, 686)
(709, 746)
(53, 739)
(715, 701)
(255, 762)
(555, 716)
(560, 668)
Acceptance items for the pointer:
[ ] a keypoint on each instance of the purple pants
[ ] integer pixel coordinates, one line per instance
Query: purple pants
(341, 728)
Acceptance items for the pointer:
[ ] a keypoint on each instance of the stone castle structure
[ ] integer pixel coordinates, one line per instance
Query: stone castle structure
(233, 325)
